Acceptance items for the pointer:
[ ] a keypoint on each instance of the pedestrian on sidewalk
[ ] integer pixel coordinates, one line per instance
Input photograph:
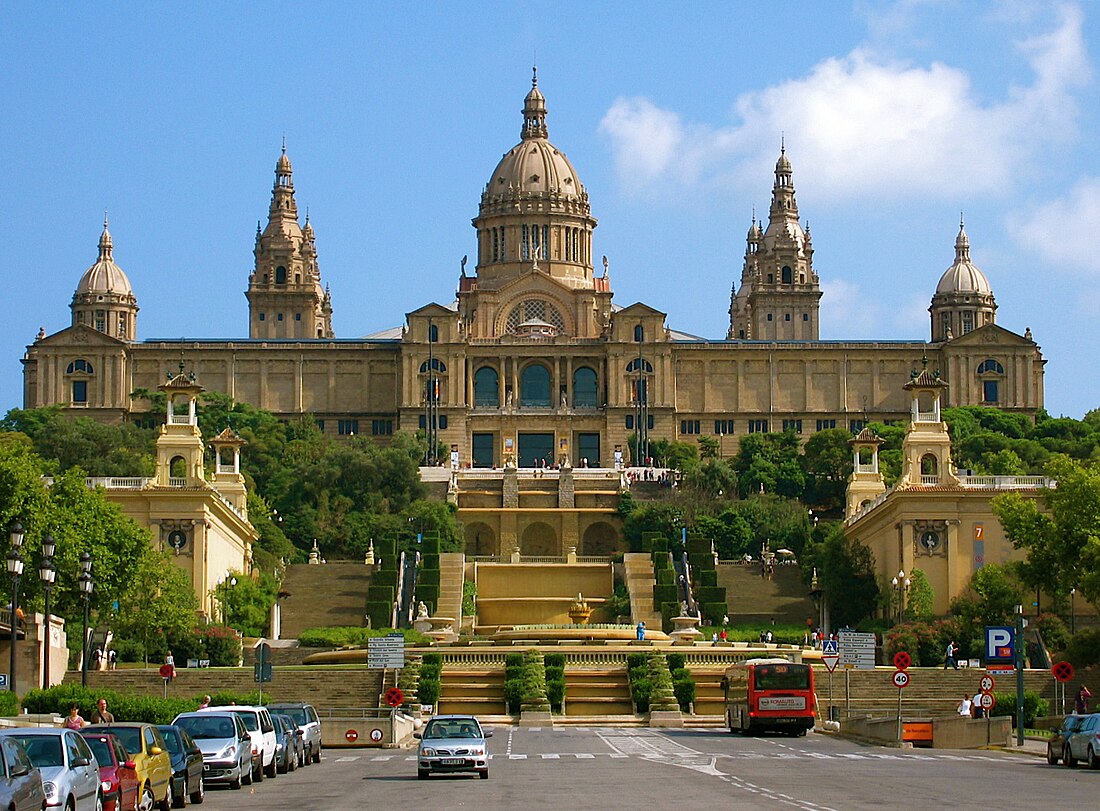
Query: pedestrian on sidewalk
(965, 705)
(101, 715)
(949, 656)
(1081, 701)
(641, 631)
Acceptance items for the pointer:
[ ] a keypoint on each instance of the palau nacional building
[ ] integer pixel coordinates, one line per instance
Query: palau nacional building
(531, 359)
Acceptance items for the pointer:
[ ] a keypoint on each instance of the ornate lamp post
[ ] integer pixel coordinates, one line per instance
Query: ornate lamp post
(227, 584)
(15, 568)
(86, 586)
(48, 573)
(901, 584)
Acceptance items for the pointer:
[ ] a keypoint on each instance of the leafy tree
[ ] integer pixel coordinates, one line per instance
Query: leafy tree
(710, 479)
(846, 572)
(101, 449)
(827, 457)
(664, 518)
(921, 600)
(158, 603)
(708, 447)
(1062, 547)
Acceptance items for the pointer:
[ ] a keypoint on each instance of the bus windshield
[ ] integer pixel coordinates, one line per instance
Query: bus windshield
(782, 677)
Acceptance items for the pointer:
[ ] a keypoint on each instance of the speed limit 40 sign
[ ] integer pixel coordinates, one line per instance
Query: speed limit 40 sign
(901, 679)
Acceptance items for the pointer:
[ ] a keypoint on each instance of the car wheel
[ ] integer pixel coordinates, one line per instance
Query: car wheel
(147, 802)
(317, 755)
(258, 773)
(118, 801)
(421, 774)
(1068, 759)
(1052, 759)
(166, 803)
(292, 762)
(273, 769)
(70, 805)
(180, 800)
(98, 802)
(1093, 759)
(484, 775)
(199, 794)
(235, 785)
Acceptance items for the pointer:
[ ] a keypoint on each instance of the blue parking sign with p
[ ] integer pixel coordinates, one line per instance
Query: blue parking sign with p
(1000, 644)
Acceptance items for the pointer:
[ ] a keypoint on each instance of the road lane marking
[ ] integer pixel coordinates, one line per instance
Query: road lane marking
(583, 756)
(550, 757)
(347, 759)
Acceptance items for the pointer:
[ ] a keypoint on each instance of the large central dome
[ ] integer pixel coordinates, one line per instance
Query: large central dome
(534, 165)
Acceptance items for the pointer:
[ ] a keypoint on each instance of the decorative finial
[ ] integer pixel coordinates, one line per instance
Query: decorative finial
(284, 143)
(534, 76)
(606, 264)
(307, 215)
(782, 143)
(924, 361)
(105, 219)
(961, 221)
(463, 265)
(754, 215)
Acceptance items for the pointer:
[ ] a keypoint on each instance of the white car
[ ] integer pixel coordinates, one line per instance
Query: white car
(261, 729)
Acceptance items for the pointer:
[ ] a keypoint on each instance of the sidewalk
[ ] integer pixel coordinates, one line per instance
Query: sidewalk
(1033, 747)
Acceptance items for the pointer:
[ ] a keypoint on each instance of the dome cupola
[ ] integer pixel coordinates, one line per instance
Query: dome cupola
(964, 299)
(104, 299)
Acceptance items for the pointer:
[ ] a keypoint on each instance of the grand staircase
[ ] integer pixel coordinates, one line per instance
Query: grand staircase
(756, 600)
(639, 578)
(324, 595)
(476, 692)
(451, 568)
(591, 693)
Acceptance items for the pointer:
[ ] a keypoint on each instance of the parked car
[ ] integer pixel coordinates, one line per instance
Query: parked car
(225, 745)
(453, 743)
(257, 720)
(186, 766)
(20, 780)
(70, 773)
(1059, 735)
(305, 716)
(1084, 743)
(288, 743)
(118, 780)
(151, 760)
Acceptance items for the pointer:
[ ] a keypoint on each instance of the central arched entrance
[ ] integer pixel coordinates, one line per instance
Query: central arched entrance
(480, 540)
(600, 538)
(540, 540)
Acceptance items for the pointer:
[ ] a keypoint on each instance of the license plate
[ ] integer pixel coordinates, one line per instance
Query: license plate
(452, 761)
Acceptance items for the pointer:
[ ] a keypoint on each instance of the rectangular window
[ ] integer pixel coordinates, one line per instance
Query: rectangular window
(629, 422)
(805, 316)
(786, 316)
(297, 316)
(439, 422)
(650, 421)
(80, 391)
(321, 426)
(689, 426)
(989, 391)
(381, 427)
(101, 320)
(348, 427)
(483, 450)
(496, 245)
(758, 426)
(793, 425)
(280, 317)
(855, 426)
(769, 316)
(823, 424)
(526, 246)
(723, 426)
(263, 317)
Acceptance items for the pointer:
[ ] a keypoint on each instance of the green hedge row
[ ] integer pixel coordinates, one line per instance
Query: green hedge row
(147, 709)
(555, 681)
(431, 670)
(380, 613)
(710, 594)
(513, 682)
(1034, 706)
(429, 595)
(641, 682)
(665, 577)
(384, 577)
(708, 578)
(429, 543)
(428, 577)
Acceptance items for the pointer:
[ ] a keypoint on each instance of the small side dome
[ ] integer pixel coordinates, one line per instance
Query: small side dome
(783, 165)
(104, 276)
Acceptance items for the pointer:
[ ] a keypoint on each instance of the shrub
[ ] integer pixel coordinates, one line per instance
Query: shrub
(675, 661)
(469, 598)
(713, 612)
(708, 578)
(428, 687)
(1054, 631)
(379, 612)
(1083, 648)
(684, 690)
(1034, 706)
(534, 682)
(128, 650)
(9, 704)
(664, 594)
(428, 577)
(429, 595)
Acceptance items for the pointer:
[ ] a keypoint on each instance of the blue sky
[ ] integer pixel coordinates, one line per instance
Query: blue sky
(896, 118)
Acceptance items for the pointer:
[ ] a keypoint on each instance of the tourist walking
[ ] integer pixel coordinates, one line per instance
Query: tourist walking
(73, 719)
(1081, 701)
(641, 631)
(965, 705)
(949, 656)
(101, 715)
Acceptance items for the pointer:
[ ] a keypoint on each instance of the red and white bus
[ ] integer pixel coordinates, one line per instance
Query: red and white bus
(769, 694)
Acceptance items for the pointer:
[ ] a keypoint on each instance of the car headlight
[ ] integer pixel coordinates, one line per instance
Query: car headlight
(478, 751)
(50, 789)
(427, 752)
(105, 785)
(228, 753)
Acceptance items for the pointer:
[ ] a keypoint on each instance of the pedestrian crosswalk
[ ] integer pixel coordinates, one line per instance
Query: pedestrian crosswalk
(575, 756)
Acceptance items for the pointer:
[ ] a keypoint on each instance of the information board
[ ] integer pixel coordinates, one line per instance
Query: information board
(386, 651)
(857, 651)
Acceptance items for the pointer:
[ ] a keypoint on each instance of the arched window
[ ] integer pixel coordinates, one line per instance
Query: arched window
(487, 387)
(534, 386)
(929, 465)
(788, 275)
(436, 364)
(80, 365)
(585, 388)
(990, 366)
(177, 468)
(639, 333)
(634, 364)
(280, 275)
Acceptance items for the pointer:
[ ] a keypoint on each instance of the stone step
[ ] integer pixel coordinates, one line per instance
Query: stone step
(598, 706)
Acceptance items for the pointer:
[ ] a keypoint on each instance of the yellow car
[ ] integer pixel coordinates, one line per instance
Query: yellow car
(152, 762)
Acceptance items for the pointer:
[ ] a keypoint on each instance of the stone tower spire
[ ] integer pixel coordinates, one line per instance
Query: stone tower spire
(780, 292)
(285, 295)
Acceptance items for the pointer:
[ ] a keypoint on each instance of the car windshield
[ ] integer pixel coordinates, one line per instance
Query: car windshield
(175, 746)
(250, 722)
(453, 728)
(297, 713)
(207, 727)
(43, 750)
(101, 749)
(130, 737)
(782, 677)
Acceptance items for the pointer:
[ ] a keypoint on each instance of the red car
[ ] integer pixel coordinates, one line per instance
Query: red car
(117, 775)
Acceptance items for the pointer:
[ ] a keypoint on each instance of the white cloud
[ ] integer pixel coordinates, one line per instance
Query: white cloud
(848, 312)
(1063, 231)
(867, 124)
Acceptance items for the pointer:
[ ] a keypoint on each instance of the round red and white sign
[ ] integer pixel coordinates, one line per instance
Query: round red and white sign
(1063, 671)
(901, 679)
(987, 684)
(986, 700)
(351, 736)
(376, 735)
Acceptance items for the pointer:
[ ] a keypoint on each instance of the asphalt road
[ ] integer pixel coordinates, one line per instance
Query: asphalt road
(613, 768)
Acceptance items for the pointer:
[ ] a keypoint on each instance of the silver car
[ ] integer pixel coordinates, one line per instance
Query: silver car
(453, 743)
(70, 774)
(225, 744)
(306, 718)
(1084, 744)
(20, 780)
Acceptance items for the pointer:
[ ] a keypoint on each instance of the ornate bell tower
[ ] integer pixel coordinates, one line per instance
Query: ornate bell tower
(866, 483)
(179, 446)
(927, 445)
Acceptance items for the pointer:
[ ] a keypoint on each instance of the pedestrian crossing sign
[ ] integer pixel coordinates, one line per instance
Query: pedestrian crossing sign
(830, 647)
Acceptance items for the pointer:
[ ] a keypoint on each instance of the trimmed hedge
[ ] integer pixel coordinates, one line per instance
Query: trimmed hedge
(710, 594)
(380, 613)
(513, 682)
(429, 595)
(665, 577)
(384, 577)
(428, 686)
(664, 594)
(428, 577)
(429, 543)
(147, 709)
(555, 681)
(1034, 706)
(708, 578)
(380, 593)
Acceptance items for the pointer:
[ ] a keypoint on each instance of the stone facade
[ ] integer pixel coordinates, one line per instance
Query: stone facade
(533, 360)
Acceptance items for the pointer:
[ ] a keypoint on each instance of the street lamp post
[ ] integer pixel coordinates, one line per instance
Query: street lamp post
(901, 584)
(15, 568)
(227, 584)
(1072, 613)
(86, 586)
(48, 573)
